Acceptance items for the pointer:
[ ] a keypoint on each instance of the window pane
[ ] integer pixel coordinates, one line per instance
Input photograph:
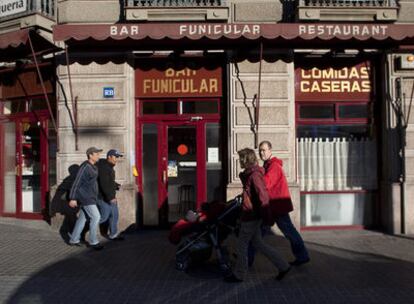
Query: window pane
(150, 173)
(317, 112)
(215, 189)
(353, 111)
(159, 107)
(336, 209)
(332, 131)
(198, 107)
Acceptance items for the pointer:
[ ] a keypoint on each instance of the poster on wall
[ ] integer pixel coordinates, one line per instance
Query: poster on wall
(213, 155)
(172, 168)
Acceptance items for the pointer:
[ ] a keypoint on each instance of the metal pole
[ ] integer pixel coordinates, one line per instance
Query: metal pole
(43, 85)
(74, 102)
(258, 96)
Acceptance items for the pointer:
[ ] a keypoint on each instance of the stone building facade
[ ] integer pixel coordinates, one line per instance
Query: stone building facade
(109, 42)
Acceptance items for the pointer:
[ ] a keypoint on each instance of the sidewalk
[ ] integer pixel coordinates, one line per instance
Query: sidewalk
(347, 267)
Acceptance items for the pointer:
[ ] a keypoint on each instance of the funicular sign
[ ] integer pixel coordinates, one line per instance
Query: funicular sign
(351, 82)
(186, 82)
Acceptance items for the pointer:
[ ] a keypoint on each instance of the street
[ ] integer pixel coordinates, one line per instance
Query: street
(36, 266)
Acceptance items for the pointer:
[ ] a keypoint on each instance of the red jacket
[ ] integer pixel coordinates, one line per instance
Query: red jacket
(253, 184)
(279, 197)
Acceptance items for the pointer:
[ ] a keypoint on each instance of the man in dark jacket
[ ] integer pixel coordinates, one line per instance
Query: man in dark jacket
(280, 203)
(84, 193)
(107, 202)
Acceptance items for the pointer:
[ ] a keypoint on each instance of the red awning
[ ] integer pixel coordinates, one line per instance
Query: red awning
(307, 33)
(15, 44)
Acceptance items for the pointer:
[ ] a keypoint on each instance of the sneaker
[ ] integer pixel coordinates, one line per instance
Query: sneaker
(97, 247)
(282, 274)
(299, 262)
(117, 238)
(78, 244)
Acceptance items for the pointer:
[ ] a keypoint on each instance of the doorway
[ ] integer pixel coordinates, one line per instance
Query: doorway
(180, 163)
(25, 165)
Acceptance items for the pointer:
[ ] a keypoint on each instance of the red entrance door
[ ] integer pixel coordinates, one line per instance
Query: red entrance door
(25, 166)
(180, 164)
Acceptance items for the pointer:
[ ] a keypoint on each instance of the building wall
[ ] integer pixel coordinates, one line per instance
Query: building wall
(104, 123)
(391, 184)
(276, 117)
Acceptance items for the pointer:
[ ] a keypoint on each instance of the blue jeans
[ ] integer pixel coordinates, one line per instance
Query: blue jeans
(296, 242)
(109, 211)
(90, 213)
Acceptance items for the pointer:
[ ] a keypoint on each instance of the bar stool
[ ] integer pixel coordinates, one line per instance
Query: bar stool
(185, 199)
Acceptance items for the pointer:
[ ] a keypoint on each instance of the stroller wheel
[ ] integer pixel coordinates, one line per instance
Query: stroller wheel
(181, 266)
(225, 268)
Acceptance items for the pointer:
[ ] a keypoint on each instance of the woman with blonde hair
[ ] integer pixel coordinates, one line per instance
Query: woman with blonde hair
(255, 196)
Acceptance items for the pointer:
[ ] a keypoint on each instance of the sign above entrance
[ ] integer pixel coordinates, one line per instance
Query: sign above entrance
(186, 82)
(251, 31)
(345, 83)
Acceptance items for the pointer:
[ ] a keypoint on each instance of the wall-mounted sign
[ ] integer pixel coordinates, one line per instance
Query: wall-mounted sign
(12, 7)
(344, 83)
(179, 83)
(108, 92)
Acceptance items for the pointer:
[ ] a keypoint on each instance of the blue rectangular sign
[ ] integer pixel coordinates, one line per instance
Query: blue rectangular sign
(108, 92)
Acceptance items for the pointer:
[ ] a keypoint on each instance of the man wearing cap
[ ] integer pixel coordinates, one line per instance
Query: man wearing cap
(84, 193)
(107, 202)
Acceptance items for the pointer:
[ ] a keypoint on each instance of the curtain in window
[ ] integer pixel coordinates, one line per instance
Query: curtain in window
(337, 164)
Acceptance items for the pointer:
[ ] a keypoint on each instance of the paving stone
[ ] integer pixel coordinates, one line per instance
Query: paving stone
(36, 266)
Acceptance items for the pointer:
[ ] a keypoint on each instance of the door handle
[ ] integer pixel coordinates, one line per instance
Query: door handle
(17, 170)
(164, 176)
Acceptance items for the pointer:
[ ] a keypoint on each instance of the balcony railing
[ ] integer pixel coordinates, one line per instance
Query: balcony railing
(14, 9)
(174, 3)
(348, 3)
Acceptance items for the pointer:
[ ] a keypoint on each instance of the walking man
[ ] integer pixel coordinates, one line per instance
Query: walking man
(280, 202)
(107, 202)
(84, 193)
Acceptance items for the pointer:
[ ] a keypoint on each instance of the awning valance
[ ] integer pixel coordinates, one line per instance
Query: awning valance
(233, 32)
(15, 44)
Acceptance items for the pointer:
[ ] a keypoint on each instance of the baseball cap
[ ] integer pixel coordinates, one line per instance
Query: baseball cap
(114, 152)
(92, 150)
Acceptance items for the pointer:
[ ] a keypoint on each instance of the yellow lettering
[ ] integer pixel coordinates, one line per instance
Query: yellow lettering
(304, 86)
(355, 87)
(315, 87)
(203, 86)
(364, 72)
(176, 82)
(306, 75)
(336, 86)
(354, 73)
(329, 73)
(366, 86)
(213, 85)
(169, 72)
(346, 86)
(326, 86)
(146, 85)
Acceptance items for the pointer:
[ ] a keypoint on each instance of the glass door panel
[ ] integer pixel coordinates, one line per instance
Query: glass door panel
(181, 170)
(150, 173)
(31, 167)
(213, 163)
(10, 167)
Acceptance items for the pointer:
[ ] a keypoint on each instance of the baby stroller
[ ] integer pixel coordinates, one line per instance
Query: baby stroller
(201, 233)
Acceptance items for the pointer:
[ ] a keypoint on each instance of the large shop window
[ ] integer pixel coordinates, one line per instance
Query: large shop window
(337, 163)
(337, 149)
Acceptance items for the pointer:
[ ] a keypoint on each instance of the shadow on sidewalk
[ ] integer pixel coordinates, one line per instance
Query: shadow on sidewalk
(141, 270)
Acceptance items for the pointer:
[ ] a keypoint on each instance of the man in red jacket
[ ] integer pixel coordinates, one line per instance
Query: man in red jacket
(280, 203)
